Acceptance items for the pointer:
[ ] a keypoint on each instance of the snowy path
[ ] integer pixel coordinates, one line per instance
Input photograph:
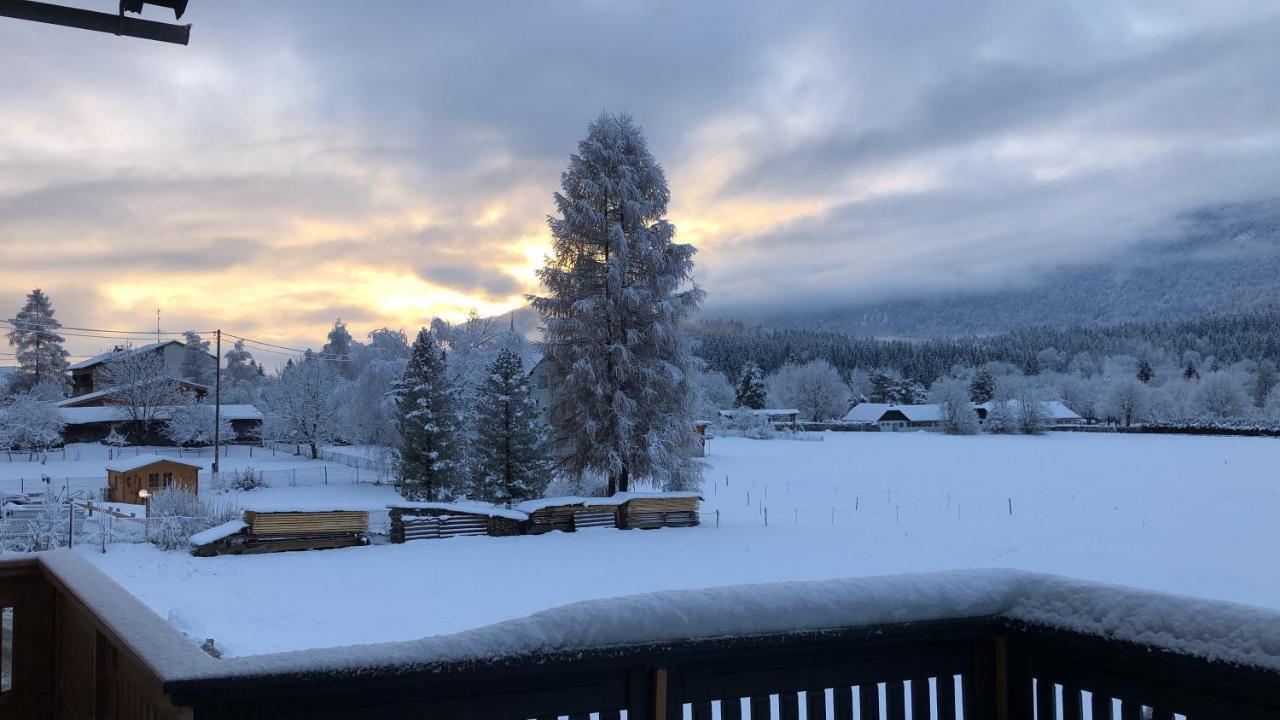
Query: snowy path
(1186, 514)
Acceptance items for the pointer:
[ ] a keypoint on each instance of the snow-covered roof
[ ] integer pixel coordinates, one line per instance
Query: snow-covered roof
(89, 398)
(216, 533)
(119, 413)
(1054, 409)
(137, 461)
(114, 354)
(866, 412)
(469, 507)
(872, 412)
(762, 411)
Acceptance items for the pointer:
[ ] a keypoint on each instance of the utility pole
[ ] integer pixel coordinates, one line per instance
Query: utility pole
(217, 398)
(157, 326)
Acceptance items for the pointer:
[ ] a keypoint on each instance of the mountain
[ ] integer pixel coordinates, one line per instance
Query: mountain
(1221, 259)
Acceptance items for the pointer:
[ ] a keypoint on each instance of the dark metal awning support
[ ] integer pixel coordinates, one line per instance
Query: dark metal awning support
(101, 21)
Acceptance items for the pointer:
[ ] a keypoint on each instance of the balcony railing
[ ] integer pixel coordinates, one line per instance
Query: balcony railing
(974, 644)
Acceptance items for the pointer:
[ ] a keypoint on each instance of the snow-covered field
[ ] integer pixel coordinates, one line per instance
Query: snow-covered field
(1194, 515)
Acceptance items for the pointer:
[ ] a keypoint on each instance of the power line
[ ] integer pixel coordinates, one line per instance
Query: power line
(32, 325)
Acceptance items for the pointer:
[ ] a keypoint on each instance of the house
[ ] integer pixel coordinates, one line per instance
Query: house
(894, 418)
(774, 416)
(539, 388)
(109, 396)
(132, 480)
(1056, 414)
(86, 375)
(93, 424)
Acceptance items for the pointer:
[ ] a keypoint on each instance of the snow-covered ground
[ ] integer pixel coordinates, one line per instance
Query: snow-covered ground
(1193, 515)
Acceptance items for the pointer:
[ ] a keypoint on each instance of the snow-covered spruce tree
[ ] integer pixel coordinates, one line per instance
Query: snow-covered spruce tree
(338, 348)
(958, 415)
(37, 345)
(429, 423)
(197, 362)
(750, 391)
(983, 386)
(884, 386)
(511, 462)
(617, 290)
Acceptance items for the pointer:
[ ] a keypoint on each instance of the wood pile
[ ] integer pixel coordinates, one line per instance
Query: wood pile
(303, 523)
(552, 517)
(647, 512)
(293, 530)
(590, 516)
(420, 523)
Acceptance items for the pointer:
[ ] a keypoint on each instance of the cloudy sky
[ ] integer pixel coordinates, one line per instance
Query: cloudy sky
(385, 162)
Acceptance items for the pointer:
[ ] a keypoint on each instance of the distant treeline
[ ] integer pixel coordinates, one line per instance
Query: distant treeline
(727, 346)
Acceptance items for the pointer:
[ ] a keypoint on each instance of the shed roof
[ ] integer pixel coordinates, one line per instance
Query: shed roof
(120, 413)
(141, 461)
(761, 411)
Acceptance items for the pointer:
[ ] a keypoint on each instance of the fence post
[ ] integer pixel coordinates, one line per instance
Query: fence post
(326, 474)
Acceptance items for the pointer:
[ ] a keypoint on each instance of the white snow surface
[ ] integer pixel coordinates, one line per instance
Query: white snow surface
(213, 534)
(1178, 514)
(1218, 630)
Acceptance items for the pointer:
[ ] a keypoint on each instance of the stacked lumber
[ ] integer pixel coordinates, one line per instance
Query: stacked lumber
(305, 523)
(649, 511)
(595, 516)
(433, 521)
(552, 517)
(271, 531)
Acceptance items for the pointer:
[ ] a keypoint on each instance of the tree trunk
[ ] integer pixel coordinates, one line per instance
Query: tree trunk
(315, 451)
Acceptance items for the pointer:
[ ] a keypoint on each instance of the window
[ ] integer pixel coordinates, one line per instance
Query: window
(153, 480)
(168, 479)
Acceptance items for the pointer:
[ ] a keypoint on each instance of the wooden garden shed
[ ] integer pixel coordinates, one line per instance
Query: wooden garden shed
(434, 521)
(132, 480)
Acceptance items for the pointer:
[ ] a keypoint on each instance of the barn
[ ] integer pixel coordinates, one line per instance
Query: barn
(132, 480)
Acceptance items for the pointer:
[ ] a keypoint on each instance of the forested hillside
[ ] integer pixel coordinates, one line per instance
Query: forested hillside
(1220, 259)
(727, 346)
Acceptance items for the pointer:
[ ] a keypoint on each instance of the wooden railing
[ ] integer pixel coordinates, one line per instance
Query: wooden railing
(82, 648)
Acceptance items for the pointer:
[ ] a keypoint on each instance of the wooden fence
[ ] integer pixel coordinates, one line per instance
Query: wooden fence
(85, 649)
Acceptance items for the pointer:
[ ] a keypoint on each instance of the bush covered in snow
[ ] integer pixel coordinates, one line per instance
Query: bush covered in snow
(244, 479)
(175, 514)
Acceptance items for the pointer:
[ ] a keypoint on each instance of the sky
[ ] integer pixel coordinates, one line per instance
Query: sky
(392, 161)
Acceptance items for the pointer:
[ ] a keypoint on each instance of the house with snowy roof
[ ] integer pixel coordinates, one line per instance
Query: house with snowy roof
(894, 418)
(86, 375)
(1056, 414)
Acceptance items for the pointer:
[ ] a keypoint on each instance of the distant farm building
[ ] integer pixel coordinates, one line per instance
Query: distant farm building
(1055, 413)
(893, 418)
(774, 416)
(87, 375)
(133, 480)
(888, 417)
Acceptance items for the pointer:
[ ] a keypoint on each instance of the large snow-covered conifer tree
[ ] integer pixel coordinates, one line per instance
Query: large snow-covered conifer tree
(751, 390)
(617, 288)
(511, 463)
(37, 345)
(429, 422)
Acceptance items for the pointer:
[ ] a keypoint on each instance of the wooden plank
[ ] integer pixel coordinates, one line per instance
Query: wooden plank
(702, 710)
(815, 704)
(920, 704)
(1072, 703)
(895, 700)
(789, 706)
(1130, 710)
(731, 709)
(947, 698)
(761, 707)
(1046, 703)
(842, 702)
(869, 701)
(1102, 707)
